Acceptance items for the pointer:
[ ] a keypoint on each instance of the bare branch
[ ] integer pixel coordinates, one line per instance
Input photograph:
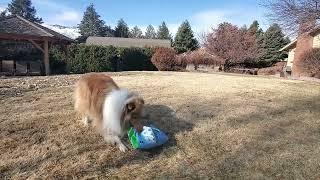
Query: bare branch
(294, 15)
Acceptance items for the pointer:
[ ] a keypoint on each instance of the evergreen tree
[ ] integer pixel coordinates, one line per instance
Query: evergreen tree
(163, 32)
(108, 31)
(184, 40)
(3, 14)
(92, 25)
(273, 40)
(136, 32)
(255, 29)
(24, 9)
(122, 29)
(150, 33)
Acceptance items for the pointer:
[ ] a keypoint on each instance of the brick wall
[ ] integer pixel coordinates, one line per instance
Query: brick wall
(304, 43)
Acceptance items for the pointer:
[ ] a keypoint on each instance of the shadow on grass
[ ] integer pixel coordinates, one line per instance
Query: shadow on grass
(164, 118)
(285, 147)
(161, 116)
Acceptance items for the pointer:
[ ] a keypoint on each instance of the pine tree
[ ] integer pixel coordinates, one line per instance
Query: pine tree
(3, 14)
(184, 40)
(24, 9)
(108, 31)
(256, 31)
(92, 25)
(273, 40)
(122, 29)
(136, 32)
(163, 32)
(150, 33)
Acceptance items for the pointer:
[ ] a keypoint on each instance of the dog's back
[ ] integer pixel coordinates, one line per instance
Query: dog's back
(111, 110)
(90, 93)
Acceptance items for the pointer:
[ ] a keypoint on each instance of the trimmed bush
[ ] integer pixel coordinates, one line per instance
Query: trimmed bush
(135, 59)
(164, 59)
(58, 63)
(82, 58)
(273, 70)
(181, 60)
(201, 56)
(311, 63)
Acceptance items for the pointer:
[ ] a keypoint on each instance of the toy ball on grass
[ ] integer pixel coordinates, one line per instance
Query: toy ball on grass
(150, 137)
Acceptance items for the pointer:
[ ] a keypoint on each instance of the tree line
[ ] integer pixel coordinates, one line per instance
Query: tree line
(237, 45)
(247, 47)
(92, 25)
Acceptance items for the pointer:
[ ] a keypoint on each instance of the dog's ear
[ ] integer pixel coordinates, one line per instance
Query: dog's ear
(130, 106)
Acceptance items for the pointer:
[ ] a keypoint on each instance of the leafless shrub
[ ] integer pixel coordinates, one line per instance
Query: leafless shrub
(276, 68)
(311, 63)
(164, 59)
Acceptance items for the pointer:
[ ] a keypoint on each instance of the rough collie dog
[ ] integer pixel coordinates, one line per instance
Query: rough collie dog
(109, 108)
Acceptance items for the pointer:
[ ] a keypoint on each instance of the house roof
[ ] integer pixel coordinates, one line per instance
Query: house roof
(127, 42)
(289, 46)
(292, 44)
(17, 27)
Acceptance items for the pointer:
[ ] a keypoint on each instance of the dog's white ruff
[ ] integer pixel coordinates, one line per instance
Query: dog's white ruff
(113, 108)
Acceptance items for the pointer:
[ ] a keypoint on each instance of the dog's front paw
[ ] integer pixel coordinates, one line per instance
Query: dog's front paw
(122, 147)
(86, 121)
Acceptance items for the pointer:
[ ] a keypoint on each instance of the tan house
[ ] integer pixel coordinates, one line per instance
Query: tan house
(304, 42)
(127, 42)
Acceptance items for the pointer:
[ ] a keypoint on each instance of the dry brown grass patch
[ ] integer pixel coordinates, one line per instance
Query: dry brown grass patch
(220, 126)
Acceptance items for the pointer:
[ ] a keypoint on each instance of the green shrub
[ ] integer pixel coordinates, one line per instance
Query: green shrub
(79, 58)
(135, 59)
(82, 58)
(58, 63)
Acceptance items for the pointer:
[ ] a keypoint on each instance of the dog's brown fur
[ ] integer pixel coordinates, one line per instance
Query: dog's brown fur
(90, 93)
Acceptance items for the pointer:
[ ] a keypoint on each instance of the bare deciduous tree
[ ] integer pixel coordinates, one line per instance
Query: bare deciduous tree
(290, 14)
(233, 44)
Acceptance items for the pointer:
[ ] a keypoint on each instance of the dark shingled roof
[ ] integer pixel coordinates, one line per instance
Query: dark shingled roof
(127, 42)
(16, 25)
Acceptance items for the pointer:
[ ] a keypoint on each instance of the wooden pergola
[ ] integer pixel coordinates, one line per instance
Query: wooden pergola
(19, 29)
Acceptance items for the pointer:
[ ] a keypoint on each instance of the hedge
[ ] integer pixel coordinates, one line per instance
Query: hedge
(57, 57)
(82, 58)
(79, 58)
(135, 59)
